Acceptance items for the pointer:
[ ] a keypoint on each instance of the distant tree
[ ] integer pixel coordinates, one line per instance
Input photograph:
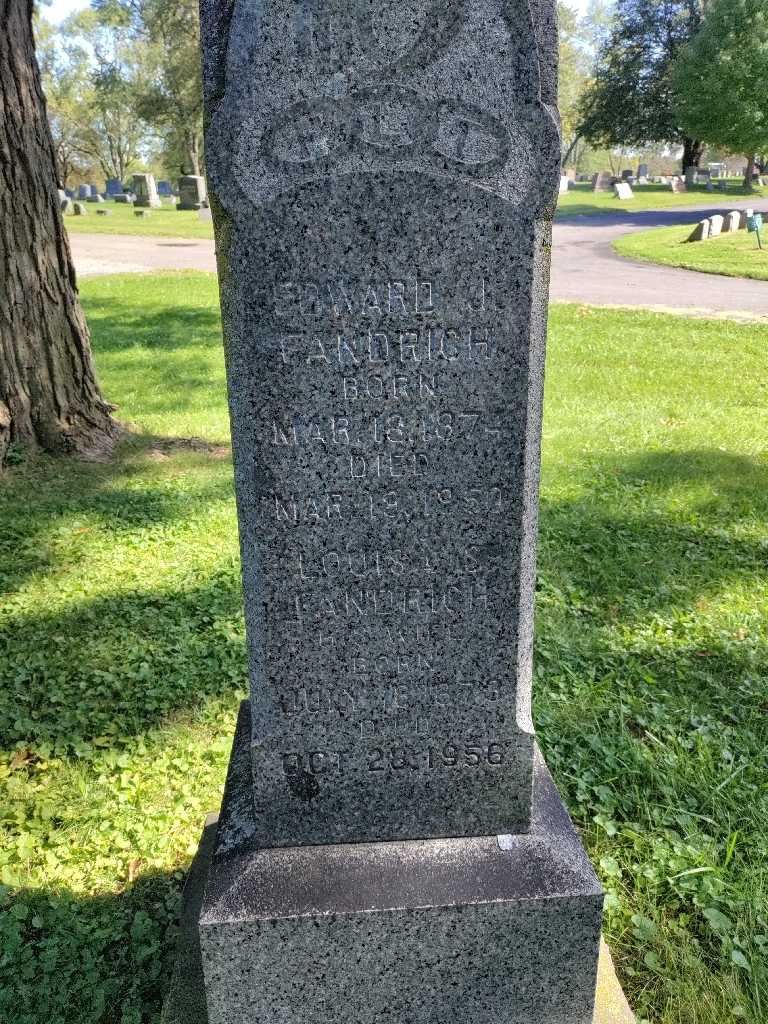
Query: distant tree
(172, 100)
(574, 75)
(110, 132)
(170, 94)
(722, 77)
(66, 84)
(631, 100)
(49, 397)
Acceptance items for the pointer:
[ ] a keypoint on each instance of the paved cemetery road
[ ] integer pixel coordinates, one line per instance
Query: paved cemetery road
(585, 267)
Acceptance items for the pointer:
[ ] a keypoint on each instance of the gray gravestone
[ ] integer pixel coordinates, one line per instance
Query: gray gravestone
(79, 209)
(164, 189)
(192, 192)
(391, 846)
(731, 221)
(744, 216)
(642, 171)
(623, 190)
(83, 191)
(67, 206)
(123, 197)
(114, 187)
(715, 225)
(145, 190)
(700, 233)
(602, 181)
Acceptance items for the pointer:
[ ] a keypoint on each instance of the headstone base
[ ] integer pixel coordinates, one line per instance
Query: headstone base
(148, 204)
(425, 931)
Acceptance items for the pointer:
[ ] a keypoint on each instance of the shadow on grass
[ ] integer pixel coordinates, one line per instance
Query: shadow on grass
(118, 326)
(128, 494)
(69, 959)
(118, 665)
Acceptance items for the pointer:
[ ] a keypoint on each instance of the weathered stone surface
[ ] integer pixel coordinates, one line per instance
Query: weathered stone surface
(83, 191)
(114, 186)
(482, 929)
(602, 181)
(164, 189)
(67, 207)
(564, 183)
(701, 232)
(79, 209)
(678, 185)
(145, 191)
(623, 190)
(94, 197)
(123, 197)
(744, 216)
(383, 236)
(103, 213)
(642, 171)
(731, 221)
(192, 192)
(715, 225)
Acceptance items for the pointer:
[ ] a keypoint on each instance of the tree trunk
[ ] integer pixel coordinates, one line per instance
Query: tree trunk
(49, 397)
(692, 153)
(193, 152)
(748, 182)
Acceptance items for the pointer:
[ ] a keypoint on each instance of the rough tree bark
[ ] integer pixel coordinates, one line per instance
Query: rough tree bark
(749, 184)
(49, 396)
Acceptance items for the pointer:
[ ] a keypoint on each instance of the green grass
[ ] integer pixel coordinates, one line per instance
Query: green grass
(582, 201)
(735, 254)
(166, 223)
(122, 656)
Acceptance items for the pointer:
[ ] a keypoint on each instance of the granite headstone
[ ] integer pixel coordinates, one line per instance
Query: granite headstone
(391, 847)
(716, 225)
(192, 192)
(602, 181)
(145, 190)
(623, 190)
(731, 221)
(114, 186)
(701, 232)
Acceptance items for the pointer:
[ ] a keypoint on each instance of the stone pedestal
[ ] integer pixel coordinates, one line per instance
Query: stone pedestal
(498, 928)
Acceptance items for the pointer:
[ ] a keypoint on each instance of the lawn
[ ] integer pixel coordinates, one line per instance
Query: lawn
(582, 201)
(122, 656)
(735, 254)
(166, 223)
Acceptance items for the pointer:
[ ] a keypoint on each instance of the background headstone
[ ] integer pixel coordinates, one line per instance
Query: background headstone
(744, 215)
(79, 209)
(564, 181)
(678, 185)
(642, 171)
(391, 845)
(192, 192)
(700, 233)
(83, 191)
(67, 207)
(602, 182)
(123, 197)
(114, 186)
(164, 189)
(715, 225)
(145, 191)
(103, 213)
(94, 197)
(731, 221)
(623, 190)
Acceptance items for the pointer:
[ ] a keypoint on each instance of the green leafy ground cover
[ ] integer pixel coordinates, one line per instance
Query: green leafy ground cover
(582, 201)
(735, 254)
(122, 656)
(167, 222)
